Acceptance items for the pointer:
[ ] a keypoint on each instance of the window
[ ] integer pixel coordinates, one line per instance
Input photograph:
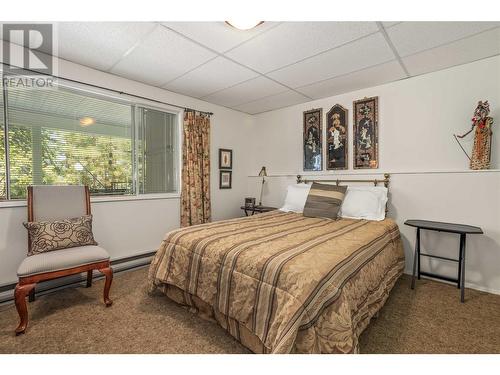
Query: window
(157, 151)
(66, 136)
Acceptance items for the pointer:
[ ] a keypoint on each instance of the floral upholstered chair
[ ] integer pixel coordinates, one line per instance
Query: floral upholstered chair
(60, 243)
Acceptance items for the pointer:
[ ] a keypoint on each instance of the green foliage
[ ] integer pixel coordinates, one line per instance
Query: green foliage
(21, 165)
(104, 163)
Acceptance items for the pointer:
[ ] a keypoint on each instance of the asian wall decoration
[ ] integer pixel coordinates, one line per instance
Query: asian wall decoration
(481, 126)
(366, 133)
(336, 139)
(313, 140)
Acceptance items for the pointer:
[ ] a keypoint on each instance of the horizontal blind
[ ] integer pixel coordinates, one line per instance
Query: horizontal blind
(57, 136)
(158, 152)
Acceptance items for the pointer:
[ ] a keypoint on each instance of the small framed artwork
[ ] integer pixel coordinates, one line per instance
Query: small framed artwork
(225, 179)
(366, 133)
(225, 158)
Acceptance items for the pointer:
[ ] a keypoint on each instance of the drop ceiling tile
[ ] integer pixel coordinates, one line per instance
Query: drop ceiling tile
(293, 41)
(369, 77)
(413, 37)
(388, 24)
(466, 50)
(282, 100)
(161, 57)
(218, 36)
(215, 75)
(98, 45)
(245, 92)
(369, 51)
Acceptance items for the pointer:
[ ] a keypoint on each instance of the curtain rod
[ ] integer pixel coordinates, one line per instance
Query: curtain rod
(108, 89)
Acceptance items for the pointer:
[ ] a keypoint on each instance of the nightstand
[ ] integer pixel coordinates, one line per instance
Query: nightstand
(249, 211)
(437, 226)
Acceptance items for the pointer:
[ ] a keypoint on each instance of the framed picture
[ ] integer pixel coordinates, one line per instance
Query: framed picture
(225, 179)
(312, 133)
(366, 133)
(225, 158)
(336, 138)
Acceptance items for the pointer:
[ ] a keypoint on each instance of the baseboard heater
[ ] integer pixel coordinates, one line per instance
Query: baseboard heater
(118, 265)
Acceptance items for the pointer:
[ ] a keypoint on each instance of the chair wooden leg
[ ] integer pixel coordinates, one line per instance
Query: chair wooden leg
(89, 279)
(31, 295)
(108, 272)
(20, 299)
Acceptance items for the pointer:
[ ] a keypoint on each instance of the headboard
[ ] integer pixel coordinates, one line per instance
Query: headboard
(375, 182)
(337, 181)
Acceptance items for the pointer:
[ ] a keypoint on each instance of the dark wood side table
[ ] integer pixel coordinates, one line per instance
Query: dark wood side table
(437, 226)
(249, 211)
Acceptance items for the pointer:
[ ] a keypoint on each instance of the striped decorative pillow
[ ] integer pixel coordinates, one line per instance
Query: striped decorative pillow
(324, 200)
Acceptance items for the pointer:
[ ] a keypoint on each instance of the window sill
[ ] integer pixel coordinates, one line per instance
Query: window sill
(121, 198)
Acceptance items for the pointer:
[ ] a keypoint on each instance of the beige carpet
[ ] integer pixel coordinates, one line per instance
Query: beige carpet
(428, 320)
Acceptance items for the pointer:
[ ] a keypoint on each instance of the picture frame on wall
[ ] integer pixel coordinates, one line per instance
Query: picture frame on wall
(225, 158)
(225, 179)
(312, 140)
(337, 138)
(365, 134)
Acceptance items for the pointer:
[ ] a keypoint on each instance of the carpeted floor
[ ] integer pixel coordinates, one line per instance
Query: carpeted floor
(429, 319)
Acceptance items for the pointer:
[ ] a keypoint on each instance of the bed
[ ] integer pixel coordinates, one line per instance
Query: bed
(280, 282)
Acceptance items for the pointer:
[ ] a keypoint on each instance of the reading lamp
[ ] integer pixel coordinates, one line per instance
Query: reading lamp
(262, 174)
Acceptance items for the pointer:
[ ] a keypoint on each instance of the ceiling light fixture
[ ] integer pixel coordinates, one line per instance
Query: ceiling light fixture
(244, 24)
(87, 121)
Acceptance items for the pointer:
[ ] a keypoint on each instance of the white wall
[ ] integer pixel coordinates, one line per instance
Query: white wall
(417, 118)
(128, 228)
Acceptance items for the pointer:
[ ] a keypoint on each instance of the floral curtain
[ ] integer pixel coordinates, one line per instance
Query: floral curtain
(195, 190)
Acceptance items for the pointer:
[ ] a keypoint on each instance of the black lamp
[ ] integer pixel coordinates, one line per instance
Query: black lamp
(262, 174)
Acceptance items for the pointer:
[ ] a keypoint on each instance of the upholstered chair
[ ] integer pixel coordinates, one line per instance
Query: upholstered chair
(49, 203)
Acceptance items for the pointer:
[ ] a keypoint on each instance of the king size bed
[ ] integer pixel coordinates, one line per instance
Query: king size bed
(281, 282)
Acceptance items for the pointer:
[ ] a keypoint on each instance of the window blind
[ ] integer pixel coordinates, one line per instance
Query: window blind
(158, 151)
(61, 137)
(66, 136)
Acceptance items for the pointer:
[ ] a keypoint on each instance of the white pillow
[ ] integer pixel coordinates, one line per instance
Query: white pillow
(296, 196)
(364, 202)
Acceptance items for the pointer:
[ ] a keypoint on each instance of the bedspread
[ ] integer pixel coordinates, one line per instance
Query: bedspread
(281, 282)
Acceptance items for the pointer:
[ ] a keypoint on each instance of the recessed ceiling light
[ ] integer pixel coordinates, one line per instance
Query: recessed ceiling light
(87, 121)
(244, 24)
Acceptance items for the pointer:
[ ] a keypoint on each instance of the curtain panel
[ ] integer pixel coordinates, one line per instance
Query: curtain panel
(195, 190)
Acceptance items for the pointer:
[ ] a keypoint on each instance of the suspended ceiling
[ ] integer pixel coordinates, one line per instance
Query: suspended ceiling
(277, 64)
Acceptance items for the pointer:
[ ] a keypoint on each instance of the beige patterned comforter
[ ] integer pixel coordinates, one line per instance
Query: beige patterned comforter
(281, 282)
